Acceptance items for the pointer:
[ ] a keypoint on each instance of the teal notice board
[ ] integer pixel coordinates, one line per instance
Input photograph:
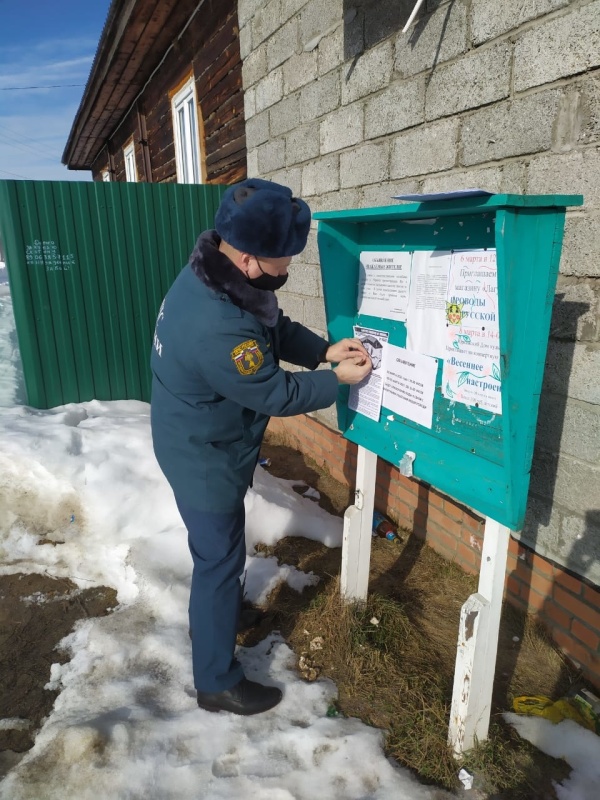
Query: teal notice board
(479, 456)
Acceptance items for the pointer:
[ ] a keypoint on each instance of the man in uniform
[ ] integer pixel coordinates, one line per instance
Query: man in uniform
(216, 381)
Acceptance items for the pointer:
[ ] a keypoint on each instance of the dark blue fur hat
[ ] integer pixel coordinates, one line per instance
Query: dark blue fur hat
(263, 218)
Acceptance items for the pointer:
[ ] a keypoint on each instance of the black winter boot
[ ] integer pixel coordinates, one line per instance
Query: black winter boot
(245, 698)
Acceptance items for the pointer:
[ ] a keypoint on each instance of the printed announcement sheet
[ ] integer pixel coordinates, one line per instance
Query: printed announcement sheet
(426, 324)
(383, 284)
(471, 372)
(365, 397)
(410, 385)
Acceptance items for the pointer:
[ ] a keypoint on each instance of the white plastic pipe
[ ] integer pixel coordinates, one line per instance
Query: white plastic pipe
(412, 16)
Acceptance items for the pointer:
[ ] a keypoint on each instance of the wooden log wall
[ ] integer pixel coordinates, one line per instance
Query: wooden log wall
(209, 49)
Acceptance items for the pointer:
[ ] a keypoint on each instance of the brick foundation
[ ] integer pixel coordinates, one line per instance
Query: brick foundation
(568, 606)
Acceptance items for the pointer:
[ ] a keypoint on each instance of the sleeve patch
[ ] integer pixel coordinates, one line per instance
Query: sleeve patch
(247, 357)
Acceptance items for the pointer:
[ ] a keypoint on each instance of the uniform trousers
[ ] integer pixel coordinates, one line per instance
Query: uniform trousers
(218, 547)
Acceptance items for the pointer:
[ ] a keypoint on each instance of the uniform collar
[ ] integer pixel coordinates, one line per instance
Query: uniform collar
(217, 272)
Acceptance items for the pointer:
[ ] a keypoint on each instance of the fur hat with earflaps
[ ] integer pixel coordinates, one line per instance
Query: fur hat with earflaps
(262, 218)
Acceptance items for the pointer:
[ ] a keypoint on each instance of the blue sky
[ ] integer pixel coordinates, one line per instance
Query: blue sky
(43, 43)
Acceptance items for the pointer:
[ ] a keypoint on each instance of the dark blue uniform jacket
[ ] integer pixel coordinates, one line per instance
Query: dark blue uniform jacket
(216, 378)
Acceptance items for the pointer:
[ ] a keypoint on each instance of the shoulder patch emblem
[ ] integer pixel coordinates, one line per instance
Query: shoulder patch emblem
(247, 357)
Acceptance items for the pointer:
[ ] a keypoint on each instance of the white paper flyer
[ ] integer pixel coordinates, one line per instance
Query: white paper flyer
(383, 284)
(410, 385)
(426, 316)
(365, 397)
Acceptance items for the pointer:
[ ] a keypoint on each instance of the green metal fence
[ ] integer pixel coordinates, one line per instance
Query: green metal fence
(88, 266)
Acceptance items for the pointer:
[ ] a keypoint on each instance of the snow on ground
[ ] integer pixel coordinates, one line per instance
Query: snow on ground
(579, 747)
(126, 724)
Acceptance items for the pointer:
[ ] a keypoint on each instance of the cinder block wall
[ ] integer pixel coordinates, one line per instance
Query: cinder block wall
(347, 110)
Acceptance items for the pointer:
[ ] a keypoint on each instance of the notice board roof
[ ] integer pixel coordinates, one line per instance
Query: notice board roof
(465, 205)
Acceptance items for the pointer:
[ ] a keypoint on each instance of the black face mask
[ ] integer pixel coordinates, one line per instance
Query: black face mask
(269, 283)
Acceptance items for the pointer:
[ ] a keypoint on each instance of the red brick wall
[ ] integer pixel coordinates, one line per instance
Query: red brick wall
(567, 604)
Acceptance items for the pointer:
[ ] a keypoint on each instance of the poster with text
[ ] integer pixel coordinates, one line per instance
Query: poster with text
(366, 396)
(410, 385)
(471, 371)
(426, 315)
(383, 284)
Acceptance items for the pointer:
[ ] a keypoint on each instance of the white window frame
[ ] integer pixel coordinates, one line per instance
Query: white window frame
(186, 133)
(130, 165)
(105, 175)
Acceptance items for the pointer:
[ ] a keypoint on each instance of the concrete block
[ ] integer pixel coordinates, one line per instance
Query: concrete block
(317, 18)
(543, 474)
(320, 176)
(330, 52)
(285, 115)
(257, 130)
(269, 90)
(254, 67)
(342, 44)
(290, 8)
(490, 19)
(342, 128)
(428, 148)
(266, 20)
(336, 201)
(541, 528)
(510, 128)
(368, 73)
(381, 194)
(383, 17)
(557, 48)
(435, 38)
(314, 313)
(283, 44)
(320, 97)
(245, 41)
(271, 156)
(506, 179)
(569, 427)
(328, 416)
(246, 9)
(577, 485)
(292, 305)
(588, 109)
(580, 538)
(474, 80)
(289, 177)
(250, 103)
(366, 164)
(252, 164)
(298, 70)
(573, 369)
(581, 246)
(573, 173)
(576, 310)
(310, 254)
(303, 280)
(302, 144)
(401, 105)
(578, 121)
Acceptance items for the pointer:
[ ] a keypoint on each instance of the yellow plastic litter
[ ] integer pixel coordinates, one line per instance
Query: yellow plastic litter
(555, 710)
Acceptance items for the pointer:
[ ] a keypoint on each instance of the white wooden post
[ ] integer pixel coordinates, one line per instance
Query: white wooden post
(358, 522)
(478, 645)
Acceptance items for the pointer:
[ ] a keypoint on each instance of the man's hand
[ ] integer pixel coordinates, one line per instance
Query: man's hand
(353, 370)
(346, 348)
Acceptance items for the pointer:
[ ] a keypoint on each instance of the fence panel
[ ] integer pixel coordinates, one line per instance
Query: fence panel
(88, 265)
